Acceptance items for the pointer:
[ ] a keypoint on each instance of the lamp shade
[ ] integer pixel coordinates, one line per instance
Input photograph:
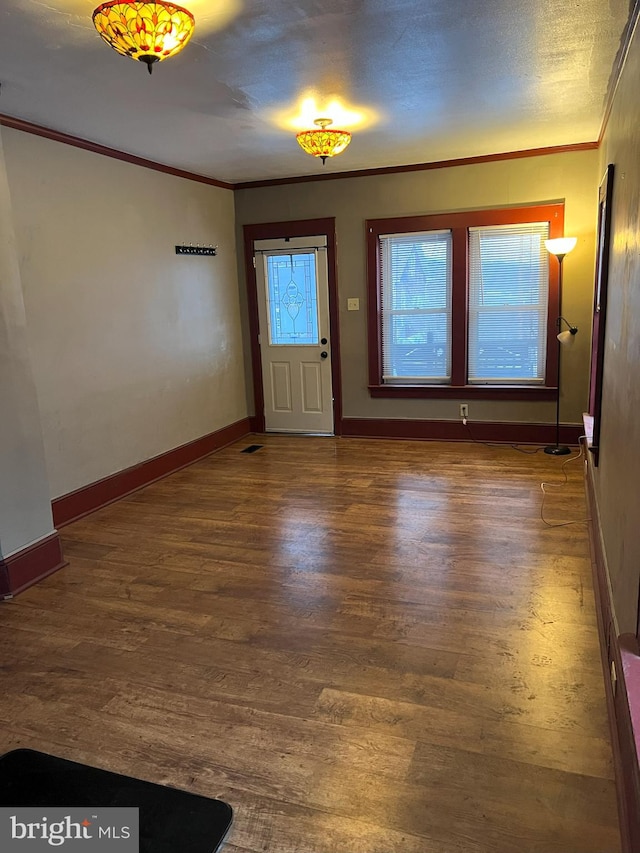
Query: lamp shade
(325, 141)
(149, 32)
(560, 246)
(567, 337)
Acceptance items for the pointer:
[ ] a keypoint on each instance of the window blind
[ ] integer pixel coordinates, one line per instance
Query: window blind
(415, 283)
(508, 303)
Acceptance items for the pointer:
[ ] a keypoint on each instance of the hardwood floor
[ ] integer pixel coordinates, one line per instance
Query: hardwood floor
(362, 646)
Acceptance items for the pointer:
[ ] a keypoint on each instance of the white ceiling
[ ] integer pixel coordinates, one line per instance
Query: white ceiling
(429, 79)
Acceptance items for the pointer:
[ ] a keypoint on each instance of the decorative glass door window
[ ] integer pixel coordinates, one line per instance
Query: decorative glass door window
(292, 299)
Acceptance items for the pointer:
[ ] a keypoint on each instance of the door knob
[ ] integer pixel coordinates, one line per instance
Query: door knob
(324, 354)
(323, 341)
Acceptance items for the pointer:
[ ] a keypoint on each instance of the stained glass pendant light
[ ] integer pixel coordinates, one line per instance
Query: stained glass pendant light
(323, 142)
(149, 32)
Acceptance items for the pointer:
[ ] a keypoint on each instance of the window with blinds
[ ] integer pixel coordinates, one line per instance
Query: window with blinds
(508, 303)
(415, 284)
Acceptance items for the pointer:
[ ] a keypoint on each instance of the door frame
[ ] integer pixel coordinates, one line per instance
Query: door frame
(280, 231)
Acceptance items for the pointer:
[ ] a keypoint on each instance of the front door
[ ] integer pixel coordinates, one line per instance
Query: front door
(295, 351)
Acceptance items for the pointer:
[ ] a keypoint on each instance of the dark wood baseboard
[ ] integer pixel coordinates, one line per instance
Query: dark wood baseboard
(28, 566)
(507, 433)
(623, 694)
(81, 502)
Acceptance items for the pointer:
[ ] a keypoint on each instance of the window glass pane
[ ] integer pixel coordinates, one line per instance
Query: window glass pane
(292, 299)
(416, 306)
(508, 299)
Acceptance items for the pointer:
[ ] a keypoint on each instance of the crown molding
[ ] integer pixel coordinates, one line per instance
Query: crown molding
(423, 167)
(77, 142)
(618, 66)
(86, 144)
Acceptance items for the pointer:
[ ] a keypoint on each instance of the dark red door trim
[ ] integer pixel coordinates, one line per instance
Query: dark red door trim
(277, 231)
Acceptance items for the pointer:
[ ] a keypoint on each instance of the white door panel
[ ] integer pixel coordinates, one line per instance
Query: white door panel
(293, 308)
(311, 382)
(281, 386)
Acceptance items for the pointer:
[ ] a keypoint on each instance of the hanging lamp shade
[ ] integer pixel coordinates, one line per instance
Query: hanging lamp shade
(149, 32)
(324, 141)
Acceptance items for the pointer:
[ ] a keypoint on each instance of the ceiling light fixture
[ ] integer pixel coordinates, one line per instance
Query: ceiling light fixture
(147, 31)
(323, 142)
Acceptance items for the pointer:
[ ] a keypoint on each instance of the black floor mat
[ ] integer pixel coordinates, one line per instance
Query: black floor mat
(171, 821)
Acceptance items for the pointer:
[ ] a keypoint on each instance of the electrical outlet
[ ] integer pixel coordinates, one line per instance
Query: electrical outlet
(464, 410)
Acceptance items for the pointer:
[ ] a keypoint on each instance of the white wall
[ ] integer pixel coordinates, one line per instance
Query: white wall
(25, 509)
(134, 350)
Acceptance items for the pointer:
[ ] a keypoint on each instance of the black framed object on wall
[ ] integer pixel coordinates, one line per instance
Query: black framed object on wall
(600, 306)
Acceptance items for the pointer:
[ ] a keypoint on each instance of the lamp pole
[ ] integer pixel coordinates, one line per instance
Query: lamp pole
(558, 449)
(559, 247)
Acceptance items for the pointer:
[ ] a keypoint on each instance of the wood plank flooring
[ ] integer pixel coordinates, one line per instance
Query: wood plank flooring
(363, 646)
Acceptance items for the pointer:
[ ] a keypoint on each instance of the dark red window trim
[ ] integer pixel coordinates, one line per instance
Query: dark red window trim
(459, 223)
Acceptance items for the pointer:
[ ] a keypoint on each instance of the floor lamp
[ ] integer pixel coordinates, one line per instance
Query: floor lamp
(560, 247)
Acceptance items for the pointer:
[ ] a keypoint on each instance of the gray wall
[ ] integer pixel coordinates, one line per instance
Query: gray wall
(618, 474)
(134, 350)
(25, 510)
(571, 177)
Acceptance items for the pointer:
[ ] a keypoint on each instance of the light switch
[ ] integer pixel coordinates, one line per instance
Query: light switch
(353, 304)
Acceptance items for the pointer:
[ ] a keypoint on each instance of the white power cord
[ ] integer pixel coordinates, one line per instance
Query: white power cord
(560, 485)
